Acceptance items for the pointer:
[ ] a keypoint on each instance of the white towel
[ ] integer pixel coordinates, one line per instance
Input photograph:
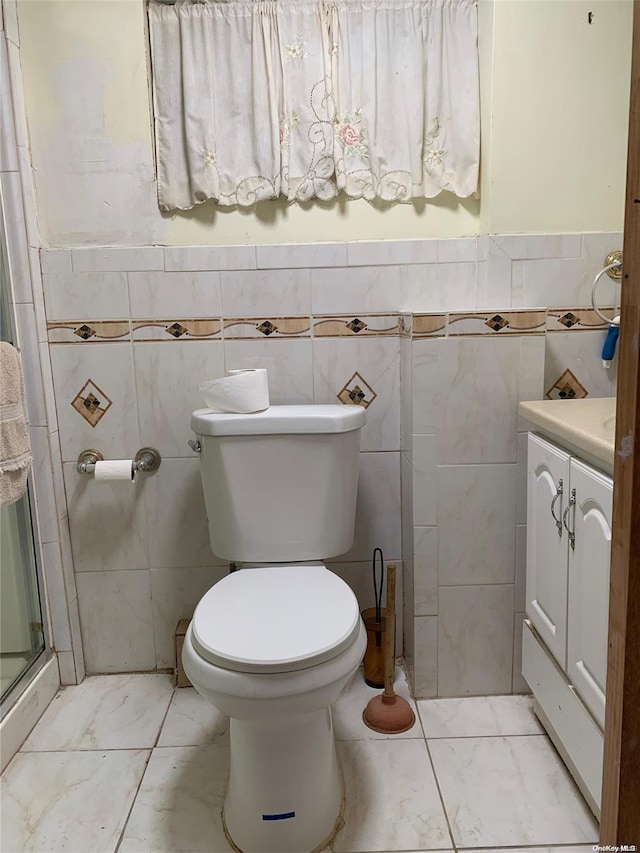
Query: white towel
(15, 447)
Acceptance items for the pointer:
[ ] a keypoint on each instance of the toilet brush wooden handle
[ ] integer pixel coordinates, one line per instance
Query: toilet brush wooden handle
(390, 632)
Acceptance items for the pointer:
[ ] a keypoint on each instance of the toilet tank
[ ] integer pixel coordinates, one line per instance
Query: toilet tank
(280, 485)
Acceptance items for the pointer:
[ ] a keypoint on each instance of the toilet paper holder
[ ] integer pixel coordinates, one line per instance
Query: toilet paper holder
(147, 459)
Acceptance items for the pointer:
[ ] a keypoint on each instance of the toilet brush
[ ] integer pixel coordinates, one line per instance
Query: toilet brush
(388, 713)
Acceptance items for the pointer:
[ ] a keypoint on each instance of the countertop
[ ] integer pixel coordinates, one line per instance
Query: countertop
(586, 427)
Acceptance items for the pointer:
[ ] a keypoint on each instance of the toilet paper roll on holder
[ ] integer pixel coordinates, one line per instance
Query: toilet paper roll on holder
(147, 459)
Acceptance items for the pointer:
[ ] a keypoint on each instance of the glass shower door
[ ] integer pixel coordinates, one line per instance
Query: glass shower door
(22, 639)
(21, 629)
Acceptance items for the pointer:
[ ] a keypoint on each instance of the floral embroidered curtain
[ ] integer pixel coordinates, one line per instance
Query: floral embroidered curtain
(308, 98)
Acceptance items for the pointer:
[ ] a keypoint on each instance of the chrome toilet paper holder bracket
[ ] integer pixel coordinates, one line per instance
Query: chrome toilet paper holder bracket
(147, 459)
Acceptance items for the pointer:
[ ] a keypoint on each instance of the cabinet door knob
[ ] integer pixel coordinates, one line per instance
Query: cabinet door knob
(572, 533)
(557, 495)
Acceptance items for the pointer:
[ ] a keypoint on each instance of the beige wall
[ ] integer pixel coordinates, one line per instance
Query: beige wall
(554, 101)
(559, 115)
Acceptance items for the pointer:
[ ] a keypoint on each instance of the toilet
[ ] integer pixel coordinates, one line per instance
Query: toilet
(274, 643)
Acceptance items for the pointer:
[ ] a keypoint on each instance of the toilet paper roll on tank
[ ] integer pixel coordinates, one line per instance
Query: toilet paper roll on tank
(239, 392)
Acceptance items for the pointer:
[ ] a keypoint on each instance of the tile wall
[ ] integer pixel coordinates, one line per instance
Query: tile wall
(463, 449)
(48, 504)
(128, 348)
(133, 330)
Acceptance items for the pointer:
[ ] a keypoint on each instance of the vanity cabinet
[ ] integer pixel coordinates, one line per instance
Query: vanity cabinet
(548, 469)
(569, 507)
(588, 607)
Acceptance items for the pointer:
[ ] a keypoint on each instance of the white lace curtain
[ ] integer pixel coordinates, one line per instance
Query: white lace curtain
(307, 98)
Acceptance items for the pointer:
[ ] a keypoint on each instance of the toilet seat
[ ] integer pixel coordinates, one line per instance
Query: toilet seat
(275, 619)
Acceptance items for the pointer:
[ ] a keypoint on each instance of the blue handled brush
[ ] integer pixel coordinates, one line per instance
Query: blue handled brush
(609, 347)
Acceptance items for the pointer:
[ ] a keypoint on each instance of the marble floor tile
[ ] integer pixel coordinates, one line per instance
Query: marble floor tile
(74, 802)
(104, 712)
(392, 802)
(498, 791)
(178, 808)
(479, 716)
(192, 721)
(347, 711)
(504, 791)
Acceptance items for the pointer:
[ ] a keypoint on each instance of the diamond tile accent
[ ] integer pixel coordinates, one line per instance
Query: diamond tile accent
(267, 328)
(85, 332)
(567, 387)
(356, 325)
(91, 402)
(569, 319)
(497, 322)
(357, 392)
(177, 330)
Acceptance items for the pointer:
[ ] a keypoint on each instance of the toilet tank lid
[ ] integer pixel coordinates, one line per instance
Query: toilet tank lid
(281, 420)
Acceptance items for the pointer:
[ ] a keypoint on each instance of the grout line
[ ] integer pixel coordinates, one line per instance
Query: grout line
(442, 802)
(88, 749)
(133, 802)
(541, 847)
(435, 777)
(477, 737)
(144, 773)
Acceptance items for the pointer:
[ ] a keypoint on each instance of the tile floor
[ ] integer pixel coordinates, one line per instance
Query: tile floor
(128, 763)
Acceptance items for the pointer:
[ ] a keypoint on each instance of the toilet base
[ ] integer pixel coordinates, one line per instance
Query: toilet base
(285, 789)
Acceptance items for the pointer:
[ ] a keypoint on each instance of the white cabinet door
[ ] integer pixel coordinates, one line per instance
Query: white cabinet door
(589, 559)
(547, 489)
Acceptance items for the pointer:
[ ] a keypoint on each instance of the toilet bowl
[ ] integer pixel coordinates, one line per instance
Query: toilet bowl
(273, 648)
(273, 645)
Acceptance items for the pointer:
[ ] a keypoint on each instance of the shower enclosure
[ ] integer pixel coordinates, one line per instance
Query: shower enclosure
(23, 647)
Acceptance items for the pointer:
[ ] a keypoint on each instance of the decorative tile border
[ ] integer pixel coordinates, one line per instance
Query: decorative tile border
(576, 319)
(96, 331)
(497, 323)
(362, 326)
(429, 325)
(405, 325)
(274, 327)
(172, 330)
(437, 324)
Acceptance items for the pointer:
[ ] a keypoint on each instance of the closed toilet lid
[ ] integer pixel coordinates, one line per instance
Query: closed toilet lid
(275, 619)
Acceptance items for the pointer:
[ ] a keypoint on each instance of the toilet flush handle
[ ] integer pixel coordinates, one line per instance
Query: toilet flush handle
(195, 445)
